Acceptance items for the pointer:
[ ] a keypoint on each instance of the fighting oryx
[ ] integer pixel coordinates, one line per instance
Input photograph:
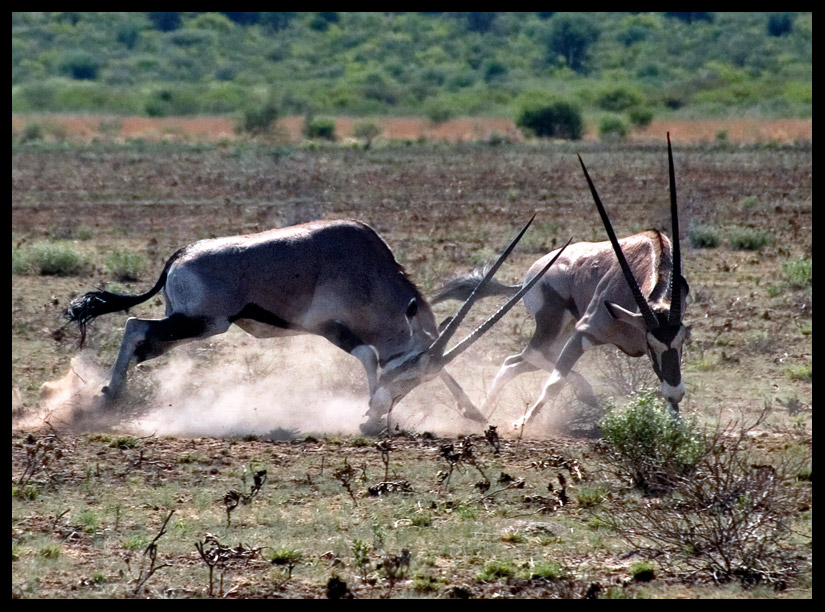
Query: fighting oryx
(335, 279)
(634, 300)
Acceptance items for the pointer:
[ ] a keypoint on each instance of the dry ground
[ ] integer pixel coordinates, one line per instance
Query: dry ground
(442, 209)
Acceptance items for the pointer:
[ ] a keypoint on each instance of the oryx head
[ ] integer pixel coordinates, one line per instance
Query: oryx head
(661, 322)
(401, 374)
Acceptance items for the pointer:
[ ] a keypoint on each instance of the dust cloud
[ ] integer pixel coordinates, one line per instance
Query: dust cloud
(235, 386)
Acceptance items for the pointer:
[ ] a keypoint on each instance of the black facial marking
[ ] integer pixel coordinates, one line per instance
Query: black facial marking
(671, 373)
(665, 333)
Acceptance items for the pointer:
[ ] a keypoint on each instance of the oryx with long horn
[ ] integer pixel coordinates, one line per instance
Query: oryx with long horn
(634, 300)
(336, 279)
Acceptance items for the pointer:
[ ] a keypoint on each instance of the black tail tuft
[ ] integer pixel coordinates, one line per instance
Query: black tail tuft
(461, 287)
(91, 305)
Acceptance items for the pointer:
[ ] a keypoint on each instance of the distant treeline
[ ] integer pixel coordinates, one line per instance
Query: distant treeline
(438, 65)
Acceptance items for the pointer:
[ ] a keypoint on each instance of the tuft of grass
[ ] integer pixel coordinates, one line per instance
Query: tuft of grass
(48, 259)
(802, 373)
(642, 571)
(705, 237)
(589, 497)
(496, 569)
(125, 265)
(546, 570)
(748, 239)
(50, 551)
(799, 273)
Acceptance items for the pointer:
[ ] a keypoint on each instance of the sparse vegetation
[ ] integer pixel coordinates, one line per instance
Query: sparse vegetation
(705, 237)
(729, 528)
(748, 239)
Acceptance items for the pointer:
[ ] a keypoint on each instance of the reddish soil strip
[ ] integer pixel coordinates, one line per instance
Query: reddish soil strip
(88, 127)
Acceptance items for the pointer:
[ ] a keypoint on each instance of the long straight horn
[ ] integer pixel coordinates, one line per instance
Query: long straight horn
(437, 347)
(481, 329)
(675, 316)
(650, 319)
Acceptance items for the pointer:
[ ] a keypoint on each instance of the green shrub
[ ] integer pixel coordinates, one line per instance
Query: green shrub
(705, 237)
(612, 127)
(125, 265)
(799, 273)
(546, 570)
(320, 127)
(619, 99)
(642, 571)
(651, 447)
(558, 119)
(48, 259)
(259, 119)
(640, 116)
(80, 65)
(495, 570)
(748, 239)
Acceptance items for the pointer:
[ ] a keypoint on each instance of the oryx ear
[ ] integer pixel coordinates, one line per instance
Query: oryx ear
(622, 314)
(444, 324)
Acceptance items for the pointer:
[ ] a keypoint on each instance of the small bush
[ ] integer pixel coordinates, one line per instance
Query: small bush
(651, 447)
(125, 265)
(640, 116)
(748, 239)
(54, 259)
(618, 99)
(802, 373)
(259, 119)
(705, 237)
(320, 127)
(546, 570)
(558, 119)
(799, 273)
(642, 571)
(368, 130)
(612, 127)
(495, 570)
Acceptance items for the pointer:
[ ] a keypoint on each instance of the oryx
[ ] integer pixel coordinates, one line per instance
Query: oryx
(634, 300)
(336, 279)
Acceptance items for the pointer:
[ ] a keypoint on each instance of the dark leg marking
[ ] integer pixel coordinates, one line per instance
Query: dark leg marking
(171, 329)
(341, 336)
(256, 313)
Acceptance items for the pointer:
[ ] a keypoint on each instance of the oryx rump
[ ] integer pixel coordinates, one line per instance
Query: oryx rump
(629, 293)
(336, 279)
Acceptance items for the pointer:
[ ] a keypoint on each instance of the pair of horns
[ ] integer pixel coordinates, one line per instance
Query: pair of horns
(676, 280)
(439, 345)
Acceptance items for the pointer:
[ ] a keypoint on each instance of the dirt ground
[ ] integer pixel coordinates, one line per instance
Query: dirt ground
(443, 210)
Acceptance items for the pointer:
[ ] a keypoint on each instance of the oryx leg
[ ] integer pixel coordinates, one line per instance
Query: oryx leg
(513, 366)
(343, 337)
(380, 407)
(465, 406)
(554, 321)
(145, 339)
(575, 347)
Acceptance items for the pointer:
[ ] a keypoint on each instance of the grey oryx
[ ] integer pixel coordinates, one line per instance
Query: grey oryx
(336, 279)
(634, 300)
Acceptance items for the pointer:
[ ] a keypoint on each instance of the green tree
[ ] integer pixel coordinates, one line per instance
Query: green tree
(780, 24)
(559, 119)
(571, 35)
(165, 22)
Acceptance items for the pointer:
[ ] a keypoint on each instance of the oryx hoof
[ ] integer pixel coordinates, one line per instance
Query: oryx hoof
(373, 428)
(474, 415)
